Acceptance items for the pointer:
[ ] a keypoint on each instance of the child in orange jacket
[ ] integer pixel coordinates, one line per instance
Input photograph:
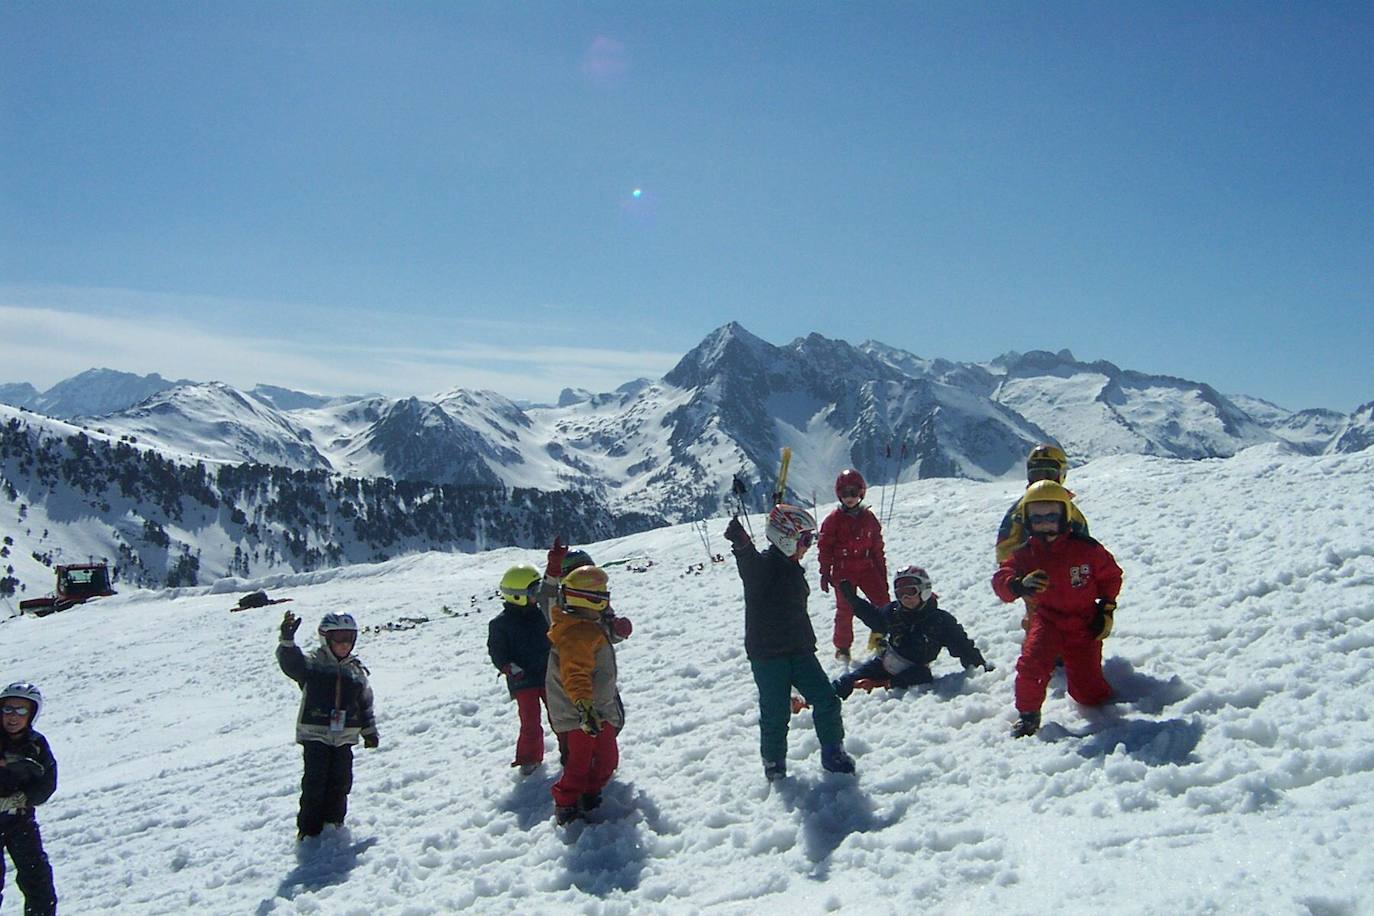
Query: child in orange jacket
(582, 685)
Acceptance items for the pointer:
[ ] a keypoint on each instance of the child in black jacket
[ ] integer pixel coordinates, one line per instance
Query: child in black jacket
(28, 777)
(518, 643)
(917, 629)
(336, 710)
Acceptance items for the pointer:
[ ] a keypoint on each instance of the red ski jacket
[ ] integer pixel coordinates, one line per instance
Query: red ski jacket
(851, 542)
(1080, 570)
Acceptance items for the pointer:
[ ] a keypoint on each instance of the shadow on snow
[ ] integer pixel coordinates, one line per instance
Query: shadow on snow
(320, 862)
(606, 853)
(831, 808)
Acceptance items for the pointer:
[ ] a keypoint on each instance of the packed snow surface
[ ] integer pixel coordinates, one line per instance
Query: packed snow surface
(1235, 773)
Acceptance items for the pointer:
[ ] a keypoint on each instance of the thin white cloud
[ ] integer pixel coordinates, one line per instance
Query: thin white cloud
(45, 345)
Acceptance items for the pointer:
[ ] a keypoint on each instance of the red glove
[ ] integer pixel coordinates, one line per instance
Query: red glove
(559, 550)
(622, 627)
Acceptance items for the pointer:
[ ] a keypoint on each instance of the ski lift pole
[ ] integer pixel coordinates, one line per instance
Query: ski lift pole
(893, 507)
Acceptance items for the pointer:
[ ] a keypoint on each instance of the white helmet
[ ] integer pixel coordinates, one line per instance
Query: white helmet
(23, 690)
(914, 575)
(790, 527)
(332, 623)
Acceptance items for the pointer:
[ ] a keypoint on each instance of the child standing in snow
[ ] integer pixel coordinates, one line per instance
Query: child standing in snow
(916, 629)
(518, 643)
(582, 683)
(336, 710)
(779, 640)
(1074, 582)
(851, 547)
(28, 777)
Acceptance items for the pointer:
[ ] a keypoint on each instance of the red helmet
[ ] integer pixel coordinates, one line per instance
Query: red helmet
(850, 479)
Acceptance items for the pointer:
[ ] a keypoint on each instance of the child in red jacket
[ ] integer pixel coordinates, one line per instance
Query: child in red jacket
(851, 548)
(1075, 582)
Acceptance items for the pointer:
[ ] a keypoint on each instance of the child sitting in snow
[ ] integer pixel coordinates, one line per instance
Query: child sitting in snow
(582, 684)
(917, 628)
(518, 643)
(28, 777)
(336, 710)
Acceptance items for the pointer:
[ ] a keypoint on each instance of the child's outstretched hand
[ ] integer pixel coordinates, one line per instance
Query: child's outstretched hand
(559, 550)
(735, 533)
(290, 623)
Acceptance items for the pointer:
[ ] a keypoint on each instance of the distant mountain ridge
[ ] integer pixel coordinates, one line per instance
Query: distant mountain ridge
(670, 447)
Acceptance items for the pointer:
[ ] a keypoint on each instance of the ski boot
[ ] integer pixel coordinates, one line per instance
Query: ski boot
(835, 760)
(773, 770)
(843, 687)
(842, 655)
(563, 815)
(588, 801)
(1027, 725)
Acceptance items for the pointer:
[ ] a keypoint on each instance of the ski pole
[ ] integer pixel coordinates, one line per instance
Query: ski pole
(739, 488)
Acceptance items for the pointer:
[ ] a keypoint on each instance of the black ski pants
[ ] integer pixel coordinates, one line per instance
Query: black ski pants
(324, 787)
(19, 835)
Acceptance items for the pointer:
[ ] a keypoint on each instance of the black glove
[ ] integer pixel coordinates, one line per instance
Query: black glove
(1101, 625)
(371, 740)
(1032, 583)
(847, 589)
(735, 533)
(825, 582)
(981, 662)
(289, 625)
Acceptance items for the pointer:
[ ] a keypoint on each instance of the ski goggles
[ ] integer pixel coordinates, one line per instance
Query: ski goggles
(14, 710)
(341, 636)
(806, 538)
(1038, 518)
(595, 600)
(908, 591)
(850, 491)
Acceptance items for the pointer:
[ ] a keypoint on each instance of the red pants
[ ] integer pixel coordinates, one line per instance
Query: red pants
(529, 747)
(591, 761)
(1045, 644)
(874, 588)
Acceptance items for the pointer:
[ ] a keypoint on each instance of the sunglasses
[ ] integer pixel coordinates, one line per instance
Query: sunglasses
(14, 710)
(1038, 518)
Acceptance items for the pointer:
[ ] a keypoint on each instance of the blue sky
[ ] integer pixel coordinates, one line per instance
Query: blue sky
(410, 197)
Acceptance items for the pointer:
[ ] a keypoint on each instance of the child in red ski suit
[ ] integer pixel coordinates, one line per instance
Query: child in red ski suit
(1074, 581)
(851, 548)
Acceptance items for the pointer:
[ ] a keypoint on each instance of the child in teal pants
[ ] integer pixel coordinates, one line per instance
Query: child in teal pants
(780, 642)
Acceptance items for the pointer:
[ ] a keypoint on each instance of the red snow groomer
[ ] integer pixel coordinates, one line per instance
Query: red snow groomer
(76, 584)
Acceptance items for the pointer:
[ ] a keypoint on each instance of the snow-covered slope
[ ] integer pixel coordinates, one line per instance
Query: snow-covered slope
(218, 422)
(1234, 775)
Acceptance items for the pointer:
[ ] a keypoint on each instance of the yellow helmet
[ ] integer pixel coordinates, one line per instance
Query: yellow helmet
(1048, 491)
(519, 583)
(1047, 459)
(587, 588)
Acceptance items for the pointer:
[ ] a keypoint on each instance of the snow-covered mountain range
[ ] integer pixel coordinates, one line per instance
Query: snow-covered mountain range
(667, 449)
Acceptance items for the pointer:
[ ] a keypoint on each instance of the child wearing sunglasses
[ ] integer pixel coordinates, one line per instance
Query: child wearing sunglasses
(851, 547)
(1073, 581)
(335, 712)
(917, 630)
(779, 640)
(28, 777)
